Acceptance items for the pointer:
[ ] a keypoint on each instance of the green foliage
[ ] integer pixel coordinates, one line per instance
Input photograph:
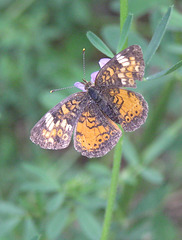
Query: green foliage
(61, 195)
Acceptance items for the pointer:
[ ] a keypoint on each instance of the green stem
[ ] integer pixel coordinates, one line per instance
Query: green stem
(123, 16)
(117, 153)
(112, 190)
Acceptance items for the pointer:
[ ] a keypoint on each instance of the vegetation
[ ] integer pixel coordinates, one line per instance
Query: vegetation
(50, 195)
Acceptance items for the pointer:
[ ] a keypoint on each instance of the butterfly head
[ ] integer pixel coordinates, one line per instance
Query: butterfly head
(85, 84)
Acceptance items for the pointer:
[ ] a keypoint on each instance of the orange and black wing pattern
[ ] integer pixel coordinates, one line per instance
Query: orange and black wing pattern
(130, 108)
(123, 69)
(54, 130)
(95, 134)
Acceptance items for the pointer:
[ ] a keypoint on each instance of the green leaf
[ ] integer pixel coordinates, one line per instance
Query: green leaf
(163, 142)
(98, 169)
(56, 224)
(93, 203)
(7, 208)
(36, 237)
(130, 152)
(99, 44)
(42, 180)
(88, 223)
(124, 32)
(110, 34)
(141, 7)
(36, 171)
(163, 228)
(176, 19)
(149, 202)
(157, 37)
(55, 202)
(7, 226)
(158, 113)
(137, 231)
(39, 187)
(152, 175)
(30, 230)
(165, 72)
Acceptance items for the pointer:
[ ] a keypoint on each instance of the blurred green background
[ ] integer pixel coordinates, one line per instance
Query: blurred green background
(60, 194)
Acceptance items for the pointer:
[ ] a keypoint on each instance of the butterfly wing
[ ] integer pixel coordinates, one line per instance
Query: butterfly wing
(123, 69)
(95, 134)
(55, 128)
(129, 108)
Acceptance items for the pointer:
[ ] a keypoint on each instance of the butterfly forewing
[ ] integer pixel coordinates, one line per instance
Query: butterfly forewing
(54, 130)
(123, 69)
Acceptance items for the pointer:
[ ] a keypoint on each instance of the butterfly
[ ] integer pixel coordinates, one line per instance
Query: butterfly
(94, 113)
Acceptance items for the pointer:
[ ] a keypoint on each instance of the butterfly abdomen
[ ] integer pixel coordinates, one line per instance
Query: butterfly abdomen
(102, 103)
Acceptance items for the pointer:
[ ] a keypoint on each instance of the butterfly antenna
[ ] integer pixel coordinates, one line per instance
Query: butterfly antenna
(83, 64)
(59, 89)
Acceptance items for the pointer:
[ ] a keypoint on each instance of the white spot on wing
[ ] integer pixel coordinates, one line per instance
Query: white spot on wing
(49, 121)
(58, 122)
(51, 126)
(123, 81)
(51, 140)
(68, 127)
(121, 59)
(64, 123)
(125, 64)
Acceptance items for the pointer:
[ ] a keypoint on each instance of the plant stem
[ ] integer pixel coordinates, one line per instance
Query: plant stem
(123, 16)
(112, 190)
(117, 153)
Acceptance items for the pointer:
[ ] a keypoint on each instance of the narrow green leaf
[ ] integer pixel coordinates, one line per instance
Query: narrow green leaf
(55, 202)
(30, 230)
(124, 32)
(57, 223)
(110, 34)
(93, 203)
(89, 224)
(163, 228)
(98, 169)
(123, 16)
(7, 225)
(165, 72)
(141, 7)
(130, 152)
(158, 114)
(36, 237)
(176, 19)
(39, 187)
(7, 208)
(138, 231)
(36, 171)
(99, 44)
(157, 37)
(152, 175)
(43, 181)
(163, 142)
(149, 202)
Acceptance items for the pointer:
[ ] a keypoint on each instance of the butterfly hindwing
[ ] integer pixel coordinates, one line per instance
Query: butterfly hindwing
(54, 130)
(123, 69)
(130, 108)
(95, 133)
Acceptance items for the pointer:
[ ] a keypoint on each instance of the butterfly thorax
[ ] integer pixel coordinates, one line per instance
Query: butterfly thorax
(103, 104)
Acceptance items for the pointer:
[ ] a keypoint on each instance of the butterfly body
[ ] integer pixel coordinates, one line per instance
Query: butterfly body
(93, 114)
